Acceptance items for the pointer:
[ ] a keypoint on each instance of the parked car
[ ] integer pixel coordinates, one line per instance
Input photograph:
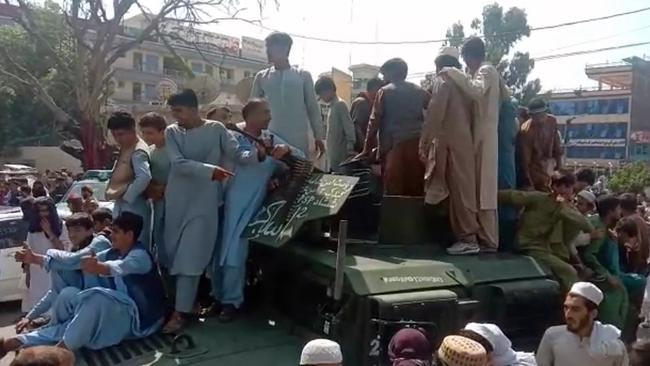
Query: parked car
(100, 175)
(99, 189)
(13, 232)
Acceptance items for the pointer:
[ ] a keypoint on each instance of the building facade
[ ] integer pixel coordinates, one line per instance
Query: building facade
(608, 125)
(361, 73)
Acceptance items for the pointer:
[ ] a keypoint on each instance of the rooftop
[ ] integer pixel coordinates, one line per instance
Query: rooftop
(619, 73)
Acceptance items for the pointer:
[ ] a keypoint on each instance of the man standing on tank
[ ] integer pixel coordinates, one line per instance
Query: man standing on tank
(290, 93)
(484, 86)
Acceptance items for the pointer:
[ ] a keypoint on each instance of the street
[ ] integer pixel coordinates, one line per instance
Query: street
(9, 313)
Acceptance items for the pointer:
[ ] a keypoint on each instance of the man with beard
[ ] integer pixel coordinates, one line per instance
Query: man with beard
(583, 341)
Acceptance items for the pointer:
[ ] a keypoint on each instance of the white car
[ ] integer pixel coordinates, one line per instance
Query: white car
(13, 232)
(99, 189)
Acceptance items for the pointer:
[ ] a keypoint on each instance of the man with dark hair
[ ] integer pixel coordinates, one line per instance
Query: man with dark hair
(290, 93)
(221, 114)
(583, 341)
(44, 356)
(80, 232)
(395, 127)
(485, 87)
(121, 298)
(243, 198)
(447, 150)
(89, 203)
(131, 173)
(153, 127)
(585, 179)
(601, 256)
(360, 110)
(542, 212)
(339, 136)
(193, 194)
(102, 219)
(639, 257)
(538, 147)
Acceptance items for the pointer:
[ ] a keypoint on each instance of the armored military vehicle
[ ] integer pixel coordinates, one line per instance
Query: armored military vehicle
(316, 271)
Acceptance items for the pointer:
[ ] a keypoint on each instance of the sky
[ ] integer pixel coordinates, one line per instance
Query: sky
(390, 20)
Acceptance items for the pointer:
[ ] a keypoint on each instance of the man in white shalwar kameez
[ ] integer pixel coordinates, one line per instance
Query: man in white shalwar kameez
(290, 93)
(583, 341)
(485, 88)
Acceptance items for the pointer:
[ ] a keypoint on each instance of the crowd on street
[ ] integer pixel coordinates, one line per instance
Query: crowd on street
(184, 192)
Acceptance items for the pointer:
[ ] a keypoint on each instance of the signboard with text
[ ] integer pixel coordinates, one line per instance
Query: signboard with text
(253, 48)
(321, 196)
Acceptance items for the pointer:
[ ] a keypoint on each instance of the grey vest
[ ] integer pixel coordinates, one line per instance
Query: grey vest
(403, 116)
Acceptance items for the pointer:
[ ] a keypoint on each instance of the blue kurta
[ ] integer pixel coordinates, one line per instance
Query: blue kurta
(192, 198)
(58, 263)
(294, 108)
(134, 199)
(160, 167)
(243, 198)
(121, 307)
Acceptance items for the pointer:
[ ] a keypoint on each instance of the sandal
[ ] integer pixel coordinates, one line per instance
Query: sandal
(175, 323)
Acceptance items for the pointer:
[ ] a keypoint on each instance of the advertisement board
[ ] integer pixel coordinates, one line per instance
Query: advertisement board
(253, 48)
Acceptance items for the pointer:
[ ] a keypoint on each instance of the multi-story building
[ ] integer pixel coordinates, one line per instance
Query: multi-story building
(213, 64)
(608, 125)
(361, 73)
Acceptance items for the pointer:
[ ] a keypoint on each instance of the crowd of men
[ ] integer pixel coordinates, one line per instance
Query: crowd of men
(184, 192)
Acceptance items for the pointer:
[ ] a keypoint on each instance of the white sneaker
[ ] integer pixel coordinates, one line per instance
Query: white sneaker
(463, 248)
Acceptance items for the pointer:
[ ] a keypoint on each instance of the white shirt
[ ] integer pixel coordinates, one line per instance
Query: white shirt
(560, 347)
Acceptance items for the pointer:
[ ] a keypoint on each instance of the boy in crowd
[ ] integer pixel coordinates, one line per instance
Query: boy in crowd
(637, 259)
(152, 126)
(131, 174)
(340, 136)
(84, 241)
(102, 221)
(542, 212)
(628, 249)
(585, 178)
(601, 256)
(125, 301)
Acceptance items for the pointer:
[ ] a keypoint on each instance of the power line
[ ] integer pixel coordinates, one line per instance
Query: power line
(597, 39)
(546, 27)
(558, 55)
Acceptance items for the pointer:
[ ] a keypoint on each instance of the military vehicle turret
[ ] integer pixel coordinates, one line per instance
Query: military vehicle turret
(318, 272)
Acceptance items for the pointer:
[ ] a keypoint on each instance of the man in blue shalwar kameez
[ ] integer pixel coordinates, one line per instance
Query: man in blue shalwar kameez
(196, 149)
(85, 242)
(243, 198)
(127, 303)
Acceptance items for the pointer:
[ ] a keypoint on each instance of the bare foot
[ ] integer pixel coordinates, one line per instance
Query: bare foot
(175, 323)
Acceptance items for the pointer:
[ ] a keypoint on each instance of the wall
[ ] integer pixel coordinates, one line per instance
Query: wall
(44, 157)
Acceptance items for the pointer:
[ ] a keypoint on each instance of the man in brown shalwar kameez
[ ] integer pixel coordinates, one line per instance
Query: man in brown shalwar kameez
(447, 149)
(538, 147)
(395, 126)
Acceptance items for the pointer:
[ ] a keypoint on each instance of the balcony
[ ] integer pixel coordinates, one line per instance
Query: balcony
(617, 74)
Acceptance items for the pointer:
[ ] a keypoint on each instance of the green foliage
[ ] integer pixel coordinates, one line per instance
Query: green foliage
(632, 178)
(24, 120)
(501, 31)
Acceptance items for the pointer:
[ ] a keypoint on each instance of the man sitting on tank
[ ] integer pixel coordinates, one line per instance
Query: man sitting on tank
(126, 300)
(542, 212)
(56, 262)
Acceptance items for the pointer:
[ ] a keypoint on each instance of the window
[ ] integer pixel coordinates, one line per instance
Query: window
(150, 92)
(226, 74)
(120, 84)
(197, 67)
(248, 74)
(590, 106)
(137, 92)
(137, 61)
(209, 69)
(151, 63)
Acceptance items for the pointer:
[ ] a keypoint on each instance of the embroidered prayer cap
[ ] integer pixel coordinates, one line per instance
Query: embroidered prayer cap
(537, 105)
(587, 196)
(321, 351)
(449, 51)
(461, 351)
(587, 290)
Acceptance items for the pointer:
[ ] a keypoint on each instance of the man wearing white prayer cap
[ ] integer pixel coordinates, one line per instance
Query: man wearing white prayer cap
(448, 151)
(500, 350)
(583, 341)
(321, 352)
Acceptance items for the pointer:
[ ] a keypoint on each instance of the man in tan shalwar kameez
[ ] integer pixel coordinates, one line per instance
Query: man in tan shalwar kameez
(485, 87)
(538, 148)
(447, 150)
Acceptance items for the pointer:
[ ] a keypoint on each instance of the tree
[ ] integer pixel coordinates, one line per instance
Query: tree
(501, 31)
(91, 41)
(632, 178)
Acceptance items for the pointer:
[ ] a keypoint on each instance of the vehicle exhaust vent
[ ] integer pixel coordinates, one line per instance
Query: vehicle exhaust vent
(132, 352)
